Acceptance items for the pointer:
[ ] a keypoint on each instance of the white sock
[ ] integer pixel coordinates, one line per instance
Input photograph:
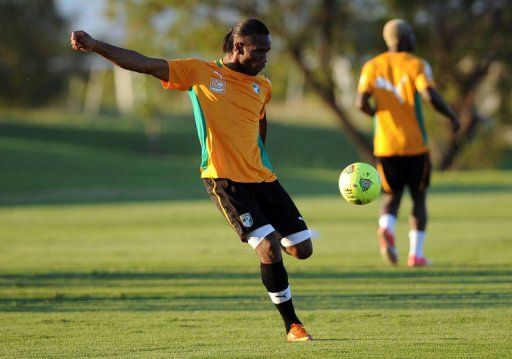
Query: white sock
(416, 239)
(387, 221)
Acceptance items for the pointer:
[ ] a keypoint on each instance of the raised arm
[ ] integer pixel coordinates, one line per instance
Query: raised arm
(127, 59)
(431, 95)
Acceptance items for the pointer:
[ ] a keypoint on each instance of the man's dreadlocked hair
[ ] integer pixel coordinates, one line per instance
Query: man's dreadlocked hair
(243, 28)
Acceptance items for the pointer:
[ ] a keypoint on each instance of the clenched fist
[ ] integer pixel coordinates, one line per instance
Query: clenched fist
(80, 40)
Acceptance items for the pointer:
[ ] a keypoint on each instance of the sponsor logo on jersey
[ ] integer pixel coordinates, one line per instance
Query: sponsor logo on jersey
(217, 85)
(246, 220)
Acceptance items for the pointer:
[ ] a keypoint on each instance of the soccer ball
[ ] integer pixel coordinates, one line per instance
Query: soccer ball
(359, 183)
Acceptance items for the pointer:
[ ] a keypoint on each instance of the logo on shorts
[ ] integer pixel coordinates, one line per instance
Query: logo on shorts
(246, 220)
(217, 85)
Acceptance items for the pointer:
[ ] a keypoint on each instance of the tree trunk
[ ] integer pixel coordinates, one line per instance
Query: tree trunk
(457, 142)
(327, 94)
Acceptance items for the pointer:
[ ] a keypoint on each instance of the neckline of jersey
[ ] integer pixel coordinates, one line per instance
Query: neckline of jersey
(222, 65)
(401, 53)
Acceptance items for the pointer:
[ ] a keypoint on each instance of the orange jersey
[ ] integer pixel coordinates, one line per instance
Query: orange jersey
(395, 79)
(228, 107)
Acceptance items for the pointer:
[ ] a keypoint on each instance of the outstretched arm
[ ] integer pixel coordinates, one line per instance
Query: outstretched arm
(431, 95)
(127, 59)
(363, 103)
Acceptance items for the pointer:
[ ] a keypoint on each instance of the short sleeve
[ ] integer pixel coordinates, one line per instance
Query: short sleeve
(182, 74)
(367, 78)
(424, 77)
(267, 99)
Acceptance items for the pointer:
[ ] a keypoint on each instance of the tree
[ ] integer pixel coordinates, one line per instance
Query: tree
(464, 40)
(315, 33)
(295, 22)
(32, 65)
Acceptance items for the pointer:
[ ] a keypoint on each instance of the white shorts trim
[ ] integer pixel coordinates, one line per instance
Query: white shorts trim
(255, 237)
(295, 238)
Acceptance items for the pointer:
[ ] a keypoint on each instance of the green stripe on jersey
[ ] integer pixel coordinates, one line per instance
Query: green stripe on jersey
(201, 127)
(264, 157)
(375, 123)
(419, 116)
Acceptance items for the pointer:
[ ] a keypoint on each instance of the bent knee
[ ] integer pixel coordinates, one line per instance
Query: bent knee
(269, 249)
(302, 250)
(304, 254)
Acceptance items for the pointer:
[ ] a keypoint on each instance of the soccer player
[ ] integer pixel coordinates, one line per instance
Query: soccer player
(229, 100)
(397, 80)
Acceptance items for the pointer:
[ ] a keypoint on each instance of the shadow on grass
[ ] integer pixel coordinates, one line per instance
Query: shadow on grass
(57, 164)
(217, 291)
(294, 145)
(53, 164)
(7, 279)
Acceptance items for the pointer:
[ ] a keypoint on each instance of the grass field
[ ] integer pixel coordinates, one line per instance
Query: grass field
(108, 251)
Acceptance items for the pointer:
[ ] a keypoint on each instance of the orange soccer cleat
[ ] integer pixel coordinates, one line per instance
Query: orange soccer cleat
(298, 333)
(387, 246)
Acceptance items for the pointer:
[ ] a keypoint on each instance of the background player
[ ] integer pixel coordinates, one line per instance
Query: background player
(229, 100)
(395, 79)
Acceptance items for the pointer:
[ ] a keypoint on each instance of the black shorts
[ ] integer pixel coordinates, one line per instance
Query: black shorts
(396, 172)
(249, 206)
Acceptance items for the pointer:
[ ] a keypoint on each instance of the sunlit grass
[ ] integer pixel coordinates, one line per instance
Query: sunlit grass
(108, 250)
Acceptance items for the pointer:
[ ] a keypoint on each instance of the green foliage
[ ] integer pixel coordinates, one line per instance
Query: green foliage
(450, 32)
(463, 40)
(33, 52)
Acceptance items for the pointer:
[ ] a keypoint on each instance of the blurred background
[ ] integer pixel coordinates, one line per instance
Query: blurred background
(72, 126)
(110, 247)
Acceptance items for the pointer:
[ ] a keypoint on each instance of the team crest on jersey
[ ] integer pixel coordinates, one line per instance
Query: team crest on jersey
(255, 88)
(217, 85)
(246, 220)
